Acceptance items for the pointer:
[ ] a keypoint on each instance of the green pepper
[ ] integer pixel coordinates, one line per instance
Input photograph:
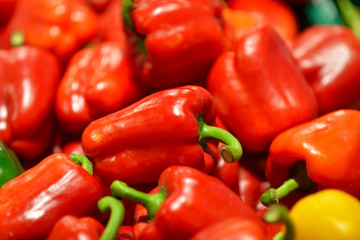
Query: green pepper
(10, 166)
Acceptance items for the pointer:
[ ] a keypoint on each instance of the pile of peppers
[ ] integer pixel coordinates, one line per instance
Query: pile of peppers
(179, 120)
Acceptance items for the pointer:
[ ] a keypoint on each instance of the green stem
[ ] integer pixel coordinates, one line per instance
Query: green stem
(279, 214)
(127, 6)
(299, 180)
(152, 202)
(17, 39)
(117, 212)
(351, 15)
(83, 161)
(231, 152)
(273, 195)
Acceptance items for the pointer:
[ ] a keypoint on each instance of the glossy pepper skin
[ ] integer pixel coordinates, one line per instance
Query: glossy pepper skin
(31, 203)
(137, 143)
(188, 201)
(178, 51)
(232, 228)
(86, 228)
(333, 213)
(328, 55)
(27, 98)
(258, 89)
(71, 227)
(97, 81)
(328, 145)
(10, 166)
(225, 171)
(66, 25)
(319, 211)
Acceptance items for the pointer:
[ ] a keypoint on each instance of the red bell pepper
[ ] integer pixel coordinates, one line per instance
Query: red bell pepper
(99, 5)
(73, 147)
(97, 81)
(329, 57)
(58, 26)
(252, 184)
(258, 89)
(33, 202)
(125, 233)
(322, 153)
(166, 128)
(225, 171)
(7, 8)
(252, 181)
(87, 228)
(71, 227)
(111, 26)
(236, 23)
(188, 201)
(232, 228)
(141, 215)
(272, 12)
(169, 47)
(26, 100)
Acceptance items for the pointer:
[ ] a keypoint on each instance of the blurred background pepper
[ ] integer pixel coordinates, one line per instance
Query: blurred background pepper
(97, 81)
(61, 27)
(175, 50)
(27, 99)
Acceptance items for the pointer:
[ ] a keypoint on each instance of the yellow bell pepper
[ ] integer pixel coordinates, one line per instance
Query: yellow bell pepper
(325, 215)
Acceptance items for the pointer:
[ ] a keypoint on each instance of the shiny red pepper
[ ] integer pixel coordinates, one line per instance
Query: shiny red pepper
(170, 47)
(87, 228)
(188, 201)
(26, 99)
(96, 82)
(329, 57)
(251, 179)
(322, 153)
(125, 233)
(258, 89)
(225, 171)
(232, 228)
(71, 227)
(33, 202)
(58, 26)
(73, 147)
(166, 128)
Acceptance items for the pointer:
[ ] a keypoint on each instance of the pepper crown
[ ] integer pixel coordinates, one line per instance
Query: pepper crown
(231, 152)
(116, 208)
(152, 202)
